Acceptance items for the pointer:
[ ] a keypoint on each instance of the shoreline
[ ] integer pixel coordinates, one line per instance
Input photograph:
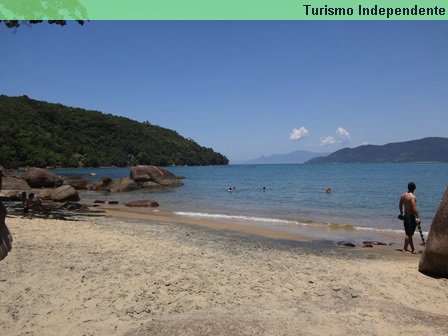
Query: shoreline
(326, 234)
(103, 274)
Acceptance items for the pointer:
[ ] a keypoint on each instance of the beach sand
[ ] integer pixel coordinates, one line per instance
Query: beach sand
(124, 274)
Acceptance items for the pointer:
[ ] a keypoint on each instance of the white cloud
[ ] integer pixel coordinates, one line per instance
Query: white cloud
(329, 140)
(343, 133)
(341, 136)
(298, 133)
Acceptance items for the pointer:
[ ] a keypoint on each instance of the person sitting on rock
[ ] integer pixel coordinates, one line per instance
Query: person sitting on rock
(32, 204)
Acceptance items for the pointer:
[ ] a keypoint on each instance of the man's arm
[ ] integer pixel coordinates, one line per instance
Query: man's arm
(414, 207)
(400, 205)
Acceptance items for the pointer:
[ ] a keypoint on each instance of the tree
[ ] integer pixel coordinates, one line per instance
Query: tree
(72, 9)
(57, 135)
(18, 23)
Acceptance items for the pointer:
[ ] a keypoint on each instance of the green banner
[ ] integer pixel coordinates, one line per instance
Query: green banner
(223, 10)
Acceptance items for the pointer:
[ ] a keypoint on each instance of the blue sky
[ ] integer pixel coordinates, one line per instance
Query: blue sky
(244, 88)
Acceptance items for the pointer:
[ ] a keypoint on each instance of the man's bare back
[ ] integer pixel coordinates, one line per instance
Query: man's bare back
(408, 203)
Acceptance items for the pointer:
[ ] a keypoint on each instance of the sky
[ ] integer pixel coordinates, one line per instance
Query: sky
(244, 88)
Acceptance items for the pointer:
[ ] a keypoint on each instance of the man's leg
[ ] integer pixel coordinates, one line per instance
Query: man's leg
(411, 243)
(406, 244)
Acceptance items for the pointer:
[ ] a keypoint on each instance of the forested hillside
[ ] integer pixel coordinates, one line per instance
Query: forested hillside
(40, 134)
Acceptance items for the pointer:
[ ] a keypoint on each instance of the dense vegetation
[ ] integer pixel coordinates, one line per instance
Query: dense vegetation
(431, 149)
(40, 134)
(18, 23)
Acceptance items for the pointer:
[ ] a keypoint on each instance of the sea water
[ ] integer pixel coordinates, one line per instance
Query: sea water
(363, 197)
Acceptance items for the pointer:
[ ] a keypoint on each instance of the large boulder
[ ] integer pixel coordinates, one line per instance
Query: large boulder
(77, 182)
(14, 183)
(42, 178)
(123, 185)
(104, 185)
(159, 175)
(45, 194)
(434, 260)
(64, 194)
(5, 235)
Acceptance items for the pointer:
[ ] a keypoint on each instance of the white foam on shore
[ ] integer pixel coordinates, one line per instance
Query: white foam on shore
(267, 220)
(362, 228)
(236, 217)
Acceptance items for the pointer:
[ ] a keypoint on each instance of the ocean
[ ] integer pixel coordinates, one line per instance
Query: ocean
(364, 197)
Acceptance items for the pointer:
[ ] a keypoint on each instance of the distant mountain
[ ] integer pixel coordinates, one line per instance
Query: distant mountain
(432, 149)
(298, 156)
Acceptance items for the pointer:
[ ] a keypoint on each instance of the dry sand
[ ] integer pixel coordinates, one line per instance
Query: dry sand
(115, 276)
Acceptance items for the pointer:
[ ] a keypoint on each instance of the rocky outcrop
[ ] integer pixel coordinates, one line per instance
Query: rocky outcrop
(64, 194)
(118, 185)
(104, 185)
(42, 178)
(123, 185)
(159, 175)
(346, 244)
(45, 194)
(12, 195)
(5, 235)
(142, 204)
(434, 260)
(149, 184)
(14, 183)
(77, 182)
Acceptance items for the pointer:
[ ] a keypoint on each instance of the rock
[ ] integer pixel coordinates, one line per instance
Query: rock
(106, 180)
(104, 185)
(42, 178)
(77, 182)
(64, 194)
(367, 244)
(346, 243)
(72, 206)
(142, 204)
(45, 194)
(374, 242)
(14, 183)
(113, 202)
(156, 174)
(434, 260)
(5, 234)
(149, 184)
(99, 201)
(123, 185)
(13, 195)
(3, 250)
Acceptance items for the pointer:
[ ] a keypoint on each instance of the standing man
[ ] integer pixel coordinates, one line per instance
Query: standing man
(410, 216)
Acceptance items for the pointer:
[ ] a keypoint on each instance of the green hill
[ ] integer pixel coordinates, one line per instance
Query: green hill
(40, 134)
(431, 149)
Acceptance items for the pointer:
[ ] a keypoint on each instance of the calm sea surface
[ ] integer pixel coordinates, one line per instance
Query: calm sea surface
(364, 196)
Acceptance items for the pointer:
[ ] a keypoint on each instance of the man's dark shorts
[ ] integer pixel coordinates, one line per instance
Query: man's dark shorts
(409, 224)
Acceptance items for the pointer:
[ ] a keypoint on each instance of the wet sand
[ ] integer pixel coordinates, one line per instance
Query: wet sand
(131, 273)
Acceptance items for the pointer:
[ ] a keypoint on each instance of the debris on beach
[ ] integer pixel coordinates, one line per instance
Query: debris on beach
(365, 244)
(142, 204)
(346, 243)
